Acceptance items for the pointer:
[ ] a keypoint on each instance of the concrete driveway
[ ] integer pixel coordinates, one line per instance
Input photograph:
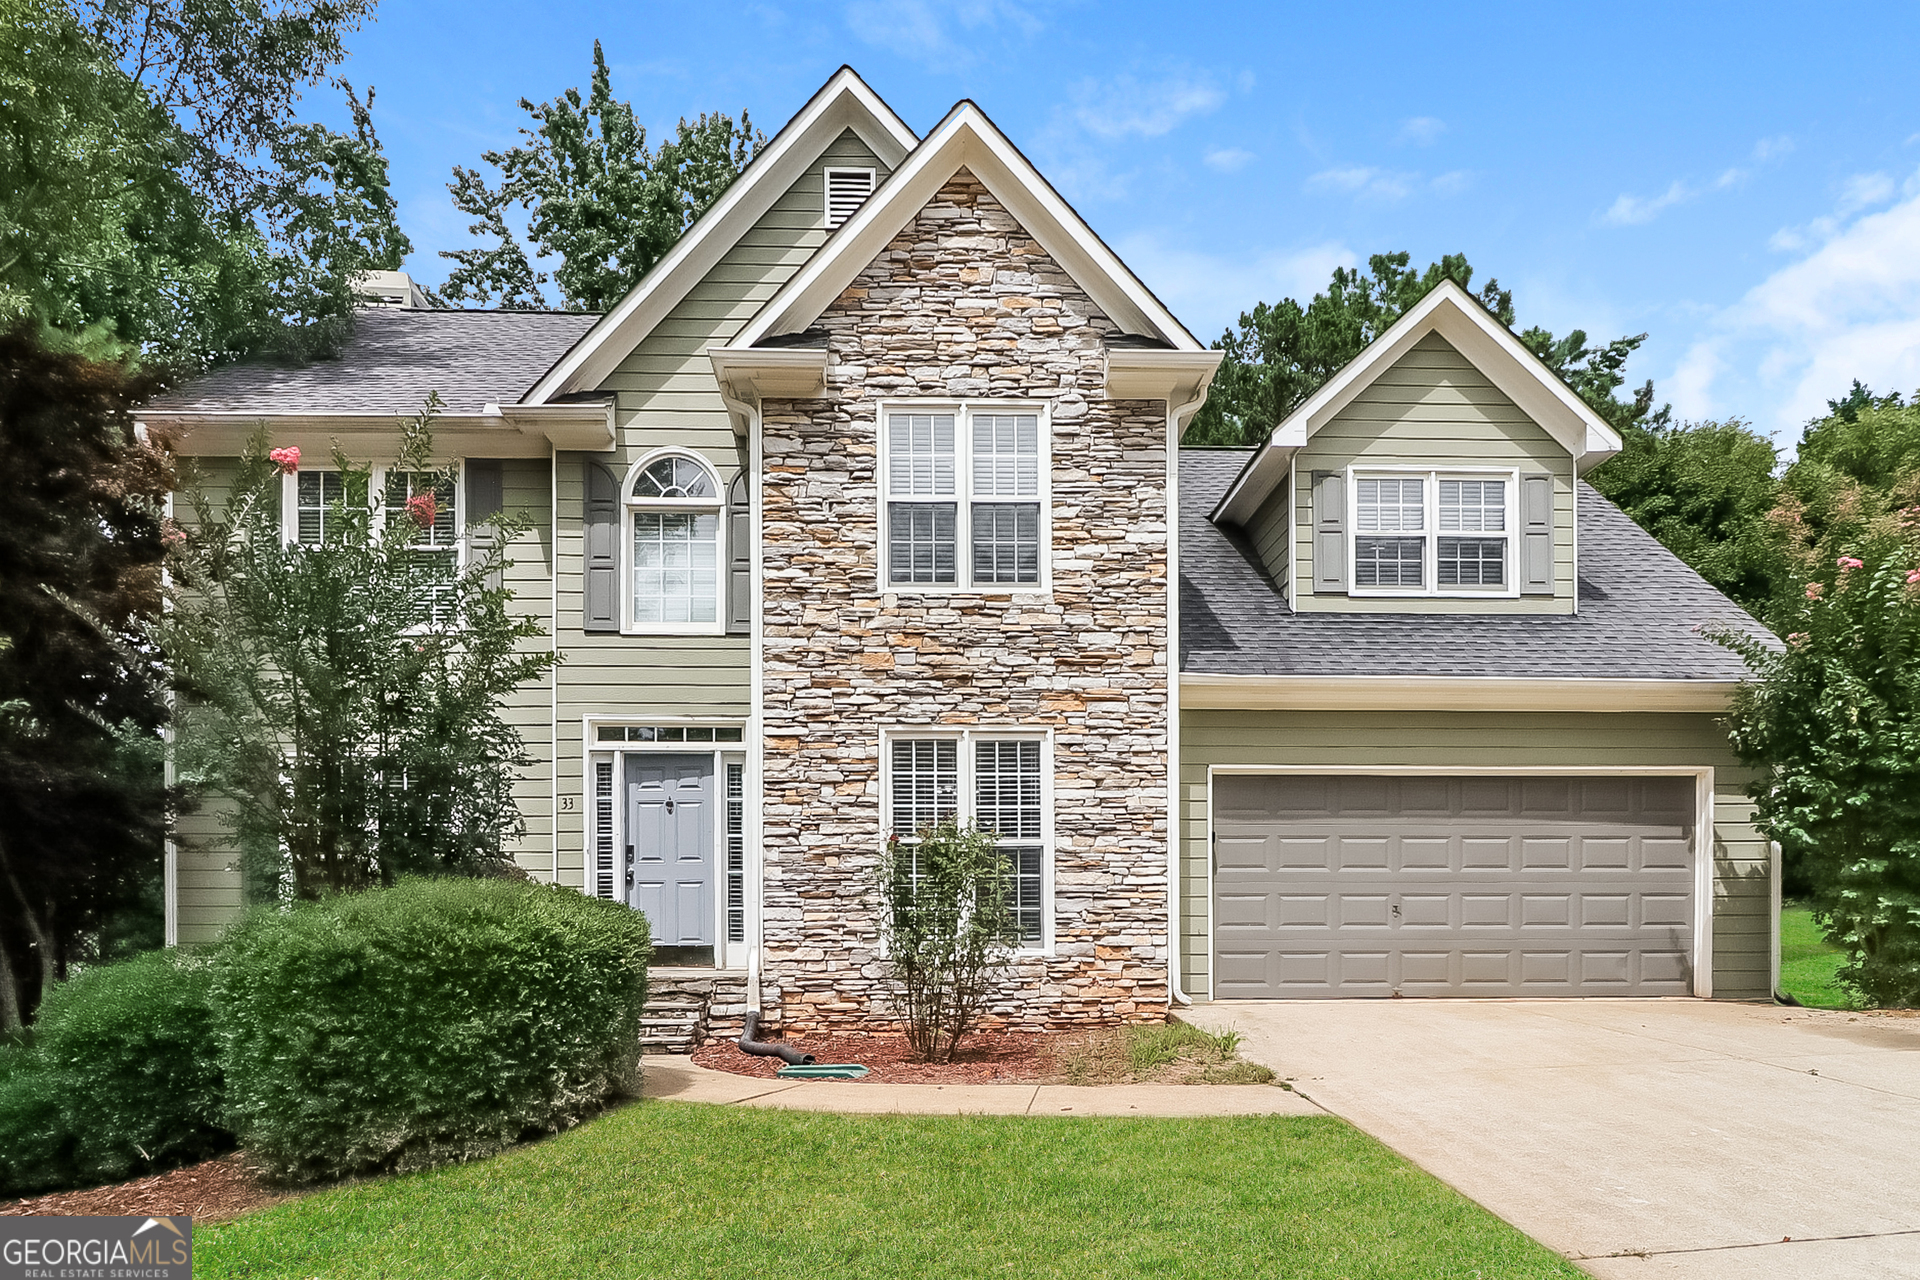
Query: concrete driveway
(1644, 1139)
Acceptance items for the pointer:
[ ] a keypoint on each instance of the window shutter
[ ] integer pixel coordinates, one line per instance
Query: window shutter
(486, 494)
(739, 557)
(847, 190)
(1536, 535)
(1329, 531)
(601, 534)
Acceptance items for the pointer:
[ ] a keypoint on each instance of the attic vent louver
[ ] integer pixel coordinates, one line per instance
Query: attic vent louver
(846, 190)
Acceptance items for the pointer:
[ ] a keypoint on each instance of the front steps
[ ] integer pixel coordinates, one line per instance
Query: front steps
(688, 1007)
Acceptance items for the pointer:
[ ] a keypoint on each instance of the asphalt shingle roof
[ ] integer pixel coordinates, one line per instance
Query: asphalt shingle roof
(1639, 610)
(393, 359)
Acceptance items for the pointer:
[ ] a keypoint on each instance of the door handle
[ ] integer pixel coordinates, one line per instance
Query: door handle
(629, 855)
(669, 806)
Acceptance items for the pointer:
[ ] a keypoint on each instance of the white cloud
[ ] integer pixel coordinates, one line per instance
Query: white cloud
(1772, 148)
(1364, 181)
(1633, 211)
(1453, 182)
(1861, 191)
(1227, 159)
(1422, 130)
(931, 31)
(1209, 291)
(1124, 106)
(1848, 309)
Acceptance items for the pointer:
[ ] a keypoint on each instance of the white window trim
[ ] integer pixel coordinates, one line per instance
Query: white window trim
(826, 189)
(963, 496)
(290, 502)
(718, 507)
(376, 502)
(1430, 478)
(966, 738)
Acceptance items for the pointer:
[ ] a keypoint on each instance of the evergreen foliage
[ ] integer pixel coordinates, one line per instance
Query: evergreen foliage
(347, 695)
(435, 1022)
(122, 1077)
(82, 806)
(946, 923)
(596, 199)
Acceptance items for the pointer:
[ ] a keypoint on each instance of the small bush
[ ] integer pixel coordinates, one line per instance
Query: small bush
(122, 1078)
(437, 1021)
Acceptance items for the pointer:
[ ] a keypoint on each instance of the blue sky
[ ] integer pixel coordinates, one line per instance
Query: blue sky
(1740, 181)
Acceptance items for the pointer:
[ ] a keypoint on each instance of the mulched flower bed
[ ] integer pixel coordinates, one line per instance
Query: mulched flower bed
(983, 1059)
(208, 1191)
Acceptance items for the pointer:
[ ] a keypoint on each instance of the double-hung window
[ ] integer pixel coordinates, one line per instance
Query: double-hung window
(311, 498)
(965, 497)
(423, 501)
(995, 782)
(673, 506)
(1433, 533)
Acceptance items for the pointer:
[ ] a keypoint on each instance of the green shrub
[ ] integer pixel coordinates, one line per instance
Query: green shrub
(437, 1021)
(123, 1077)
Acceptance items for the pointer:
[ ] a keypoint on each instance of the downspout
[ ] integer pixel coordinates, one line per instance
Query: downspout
(1176, 417)
(749, 414)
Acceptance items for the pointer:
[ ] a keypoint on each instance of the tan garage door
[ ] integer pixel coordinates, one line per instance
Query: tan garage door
(1452, 886)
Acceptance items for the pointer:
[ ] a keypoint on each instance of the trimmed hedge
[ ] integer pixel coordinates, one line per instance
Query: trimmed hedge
(122, 1077)
(437, 1021)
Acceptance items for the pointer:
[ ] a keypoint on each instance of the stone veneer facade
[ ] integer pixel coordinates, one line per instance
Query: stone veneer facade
(964, 304)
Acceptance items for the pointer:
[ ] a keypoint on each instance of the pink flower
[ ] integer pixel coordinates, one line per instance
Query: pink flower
(1913, 577)
(423, 509)
(1797, 639)
(172, 536)
(1815, 590)
(1847, 562)
(287, 459)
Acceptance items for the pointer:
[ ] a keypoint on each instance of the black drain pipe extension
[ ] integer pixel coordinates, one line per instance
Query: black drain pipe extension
(766, 1049)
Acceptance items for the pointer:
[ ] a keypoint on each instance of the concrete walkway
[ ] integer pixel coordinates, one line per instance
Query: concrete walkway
(682, 1081)
(1646, 1140)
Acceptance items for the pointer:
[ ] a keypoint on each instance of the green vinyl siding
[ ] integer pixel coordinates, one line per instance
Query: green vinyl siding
(1431, 409)
(1742, 905)
(1268, 533)
(666, 396)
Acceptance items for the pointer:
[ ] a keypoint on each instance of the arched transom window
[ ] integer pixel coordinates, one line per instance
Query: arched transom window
(675, 508)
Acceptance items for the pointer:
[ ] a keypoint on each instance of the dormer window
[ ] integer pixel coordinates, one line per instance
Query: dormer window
(847, 190)
(1432, 533)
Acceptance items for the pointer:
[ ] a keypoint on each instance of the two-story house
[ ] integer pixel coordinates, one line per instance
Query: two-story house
(865, 508)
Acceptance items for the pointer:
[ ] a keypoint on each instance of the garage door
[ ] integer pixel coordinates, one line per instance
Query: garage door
(1451, 886)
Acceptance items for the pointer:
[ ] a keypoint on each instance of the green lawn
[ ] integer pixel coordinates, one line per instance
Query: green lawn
(684, 1190)
(1808, 962)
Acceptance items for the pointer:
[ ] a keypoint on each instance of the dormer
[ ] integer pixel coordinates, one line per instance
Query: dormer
(1436, 473)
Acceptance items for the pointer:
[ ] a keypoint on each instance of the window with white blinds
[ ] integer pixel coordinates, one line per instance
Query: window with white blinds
(847, 190)
(1431, 533)
(995, 783)
(965, 492)
(316, 499)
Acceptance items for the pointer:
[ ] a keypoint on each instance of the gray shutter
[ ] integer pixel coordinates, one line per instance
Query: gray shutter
(1536, 535)
(1330, 531)
(486, 494)
(600, 531)
(739, 556)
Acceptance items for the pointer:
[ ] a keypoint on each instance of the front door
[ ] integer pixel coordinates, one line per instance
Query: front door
(670, 849)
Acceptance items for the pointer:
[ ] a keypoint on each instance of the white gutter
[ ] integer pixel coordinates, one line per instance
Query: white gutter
(1176, 419)
(1450, 693)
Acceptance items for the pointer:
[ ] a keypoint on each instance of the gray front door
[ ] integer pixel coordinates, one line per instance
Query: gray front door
(670, 846)
(1452, 886)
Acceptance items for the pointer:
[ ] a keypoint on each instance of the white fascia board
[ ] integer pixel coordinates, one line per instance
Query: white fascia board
(1174, 376)
(1450, 693)
(585, 427)
(1453, 313)
(844, 102)
(366, 437)
(757, 373)
(968, 139)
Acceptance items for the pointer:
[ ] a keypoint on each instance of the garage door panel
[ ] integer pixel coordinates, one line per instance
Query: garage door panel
(1454, 886)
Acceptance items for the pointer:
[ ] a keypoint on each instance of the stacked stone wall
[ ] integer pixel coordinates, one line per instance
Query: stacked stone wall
(965, 304)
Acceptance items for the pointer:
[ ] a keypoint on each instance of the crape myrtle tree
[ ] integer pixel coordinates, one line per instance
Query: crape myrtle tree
(1832, 721)
(597, 201)
(82, 805)
(343, 690)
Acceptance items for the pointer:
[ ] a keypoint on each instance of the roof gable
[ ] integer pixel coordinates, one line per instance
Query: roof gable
(968, 139)
(844, 102)
(1488, 345)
